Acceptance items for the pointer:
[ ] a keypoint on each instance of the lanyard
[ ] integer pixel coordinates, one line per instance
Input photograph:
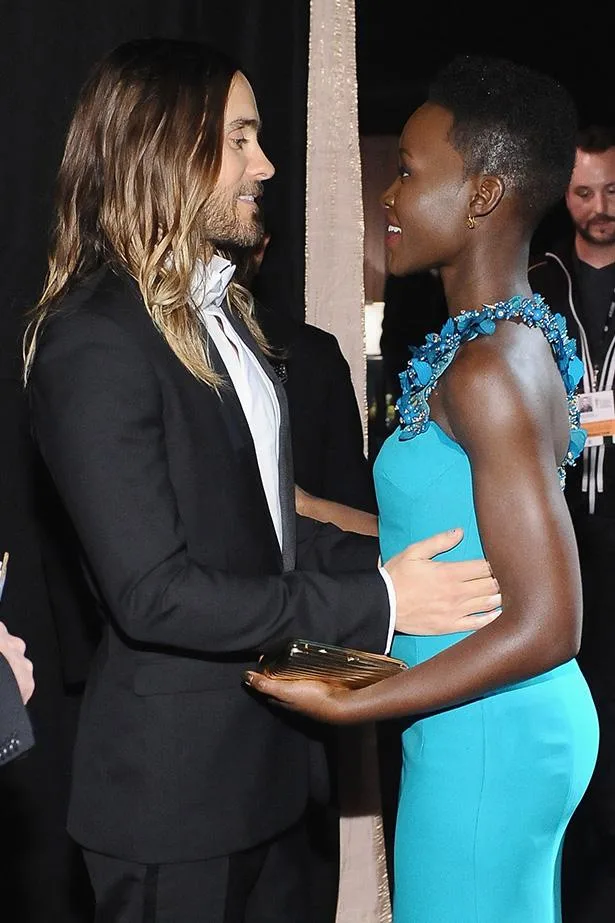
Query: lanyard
(605, 330)
(609, 317)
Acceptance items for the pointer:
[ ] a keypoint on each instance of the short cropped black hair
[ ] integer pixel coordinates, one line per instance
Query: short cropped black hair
(596, 139)
(512, 122)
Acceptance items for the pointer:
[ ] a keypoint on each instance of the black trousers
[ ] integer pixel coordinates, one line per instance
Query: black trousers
(266, 884)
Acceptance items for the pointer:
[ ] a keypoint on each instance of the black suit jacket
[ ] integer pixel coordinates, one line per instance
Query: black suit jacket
(175, 760)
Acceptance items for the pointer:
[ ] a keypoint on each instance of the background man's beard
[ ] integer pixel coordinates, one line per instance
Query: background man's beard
(605, 240)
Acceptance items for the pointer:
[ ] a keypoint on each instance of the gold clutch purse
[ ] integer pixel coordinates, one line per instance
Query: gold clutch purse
(343, 666)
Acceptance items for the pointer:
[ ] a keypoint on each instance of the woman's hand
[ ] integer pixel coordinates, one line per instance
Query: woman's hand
(322, 701)
(304, 502)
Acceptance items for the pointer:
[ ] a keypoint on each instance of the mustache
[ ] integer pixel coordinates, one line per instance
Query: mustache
(601, 219)
(253, 189)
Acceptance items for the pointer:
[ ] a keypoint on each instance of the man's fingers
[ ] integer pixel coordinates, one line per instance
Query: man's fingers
(481, 605)
(435, 544)
(27, 684)
(18, 644)
(473, 589)
(474, 622)
(478, 569)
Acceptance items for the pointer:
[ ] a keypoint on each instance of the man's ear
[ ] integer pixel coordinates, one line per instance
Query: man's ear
(487, 196)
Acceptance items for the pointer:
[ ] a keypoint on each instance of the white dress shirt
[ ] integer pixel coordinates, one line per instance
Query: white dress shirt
(254, 388)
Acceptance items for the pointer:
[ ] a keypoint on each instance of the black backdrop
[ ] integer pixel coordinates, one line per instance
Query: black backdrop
(400, 45)
(48, 46)
(46, 49)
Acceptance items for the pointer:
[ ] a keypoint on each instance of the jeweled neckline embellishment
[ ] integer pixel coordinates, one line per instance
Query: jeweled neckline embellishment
(429, 361)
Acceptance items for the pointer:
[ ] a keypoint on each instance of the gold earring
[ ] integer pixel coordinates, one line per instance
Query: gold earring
(471, 222)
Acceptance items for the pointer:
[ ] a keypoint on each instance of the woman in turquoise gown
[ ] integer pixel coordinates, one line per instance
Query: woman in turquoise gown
(487, 787)
(501, 734)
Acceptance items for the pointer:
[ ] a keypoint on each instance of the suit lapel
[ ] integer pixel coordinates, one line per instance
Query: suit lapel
(286, 474)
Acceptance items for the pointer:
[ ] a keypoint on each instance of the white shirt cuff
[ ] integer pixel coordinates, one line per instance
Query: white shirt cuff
(392, 605)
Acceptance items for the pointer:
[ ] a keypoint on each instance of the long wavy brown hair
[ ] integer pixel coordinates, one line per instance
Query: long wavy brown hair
(142, 156)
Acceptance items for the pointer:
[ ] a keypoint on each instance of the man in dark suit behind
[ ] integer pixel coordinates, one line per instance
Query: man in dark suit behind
(325, 422)
(165, 430)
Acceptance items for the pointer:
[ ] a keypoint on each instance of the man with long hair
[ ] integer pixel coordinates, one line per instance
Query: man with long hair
(166, 433)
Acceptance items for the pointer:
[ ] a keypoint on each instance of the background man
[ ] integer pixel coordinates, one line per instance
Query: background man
(577, 278)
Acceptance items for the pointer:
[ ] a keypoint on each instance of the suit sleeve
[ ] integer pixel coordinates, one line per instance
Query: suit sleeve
(98, 418)
(16, 736)
(326, 548)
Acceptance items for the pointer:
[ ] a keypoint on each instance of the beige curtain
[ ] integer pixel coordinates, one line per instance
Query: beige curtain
(335, 302)
(334, 208)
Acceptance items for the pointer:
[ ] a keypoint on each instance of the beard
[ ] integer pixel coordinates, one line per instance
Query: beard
(603, 239)
(224, 225)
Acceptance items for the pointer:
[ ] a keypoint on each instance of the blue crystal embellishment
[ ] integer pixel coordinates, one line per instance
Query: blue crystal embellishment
(429, 361)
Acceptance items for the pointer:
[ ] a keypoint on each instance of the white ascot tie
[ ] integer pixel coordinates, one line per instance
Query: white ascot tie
(210, 282)
(254, 388)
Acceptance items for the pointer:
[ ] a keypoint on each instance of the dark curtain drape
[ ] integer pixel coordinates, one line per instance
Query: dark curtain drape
(48, 47)
(46, 50)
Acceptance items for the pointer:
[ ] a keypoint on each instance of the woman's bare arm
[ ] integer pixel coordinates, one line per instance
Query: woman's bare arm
(344, 517)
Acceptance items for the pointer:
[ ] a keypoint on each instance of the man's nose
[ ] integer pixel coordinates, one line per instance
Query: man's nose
(602, 203)
(261, 167)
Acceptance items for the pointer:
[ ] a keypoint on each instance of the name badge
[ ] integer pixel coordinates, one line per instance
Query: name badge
(597, 411)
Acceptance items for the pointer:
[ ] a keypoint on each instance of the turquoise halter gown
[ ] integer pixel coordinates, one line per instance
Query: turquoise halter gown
(488, 787)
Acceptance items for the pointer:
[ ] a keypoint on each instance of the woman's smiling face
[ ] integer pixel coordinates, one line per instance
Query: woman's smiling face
(428, 204)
